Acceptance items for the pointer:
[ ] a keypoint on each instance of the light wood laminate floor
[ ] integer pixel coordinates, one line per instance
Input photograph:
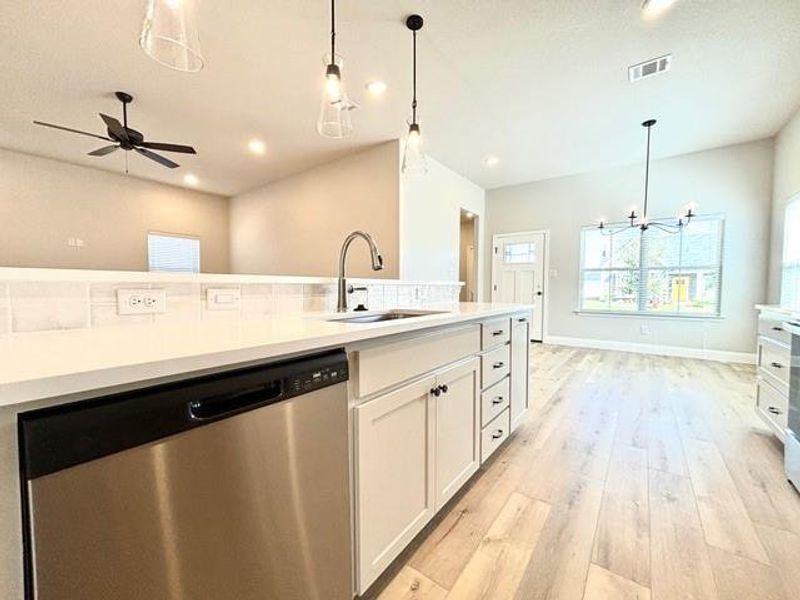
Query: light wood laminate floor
(635, 477)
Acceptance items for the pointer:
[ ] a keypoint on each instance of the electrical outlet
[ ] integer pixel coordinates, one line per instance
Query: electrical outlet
(141, 302)
(223, 298)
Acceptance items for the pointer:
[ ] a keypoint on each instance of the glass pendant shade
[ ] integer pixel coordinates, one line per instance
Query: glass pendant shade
(334, 113)
(414, 160)
(169, 34)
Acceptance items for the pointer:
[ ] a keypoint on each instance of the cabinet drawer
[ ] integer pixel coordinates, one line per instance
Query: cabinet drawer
(772, 329)
(494, 434)
(494, 366)
(495, 332)
(774, 360)
(772, 405)
(387, 364)
(495, 400)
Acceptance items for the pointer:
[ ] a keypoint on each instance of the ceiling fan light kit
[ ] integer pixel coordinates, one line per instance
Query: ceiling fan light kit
(170, 35)
(414, 160)
(122, 136)
(644, 222)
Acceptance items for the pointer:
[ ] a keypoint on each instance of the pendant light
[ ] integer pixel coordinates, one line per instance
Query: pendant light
(334, 113)
(169, 34)
(414, 159)
(643, 222)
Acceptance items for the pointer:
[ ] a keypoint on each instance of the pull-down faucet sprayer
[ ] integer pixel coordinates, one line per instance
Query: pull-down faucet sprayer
(377, 265)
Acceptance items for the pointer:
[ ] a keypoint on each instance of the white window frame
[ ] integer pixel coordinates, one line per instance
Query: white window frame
(787, 300)
(196, 238)
(716, 315)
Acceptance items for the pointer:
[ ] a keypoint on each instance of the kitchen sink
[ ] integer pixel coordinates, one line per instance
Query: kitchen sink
(387, 315)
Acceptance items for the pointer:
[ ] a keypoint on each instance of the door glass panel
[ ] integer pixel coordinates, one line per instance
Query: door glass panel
(519, 253)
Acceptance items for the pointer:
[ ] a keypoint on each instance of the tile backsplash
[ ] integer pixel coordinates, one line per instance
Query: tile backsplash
(33, 306)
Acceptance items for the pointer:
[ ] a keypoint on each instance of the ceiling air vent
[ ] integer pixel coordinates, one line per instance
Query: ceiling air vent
(648, 68)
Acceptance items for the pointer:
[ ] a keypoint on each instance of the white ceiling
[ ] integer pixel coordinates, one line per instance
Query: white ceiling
(540, 84)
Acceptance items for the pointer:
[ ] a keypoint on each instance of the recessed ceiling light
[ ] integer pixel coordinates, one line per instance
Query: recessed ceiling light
(257, 147)
(492, 161)
(652, 9)
(376, 88)
(190, 179)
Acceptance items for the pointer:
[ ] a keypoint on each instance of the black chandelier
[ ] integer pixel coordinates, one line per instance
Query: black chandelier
(644, 222)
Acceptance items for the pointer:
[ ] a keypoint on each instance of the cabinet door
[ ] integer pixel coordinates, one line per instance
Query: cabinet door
(457, 427)
(520, 355)
(394, 475)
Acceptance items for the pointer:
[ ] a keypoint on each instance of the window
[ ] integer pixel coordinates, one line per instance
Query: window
(790, 275)
(655, 272)
(520, 253)
(173, 253)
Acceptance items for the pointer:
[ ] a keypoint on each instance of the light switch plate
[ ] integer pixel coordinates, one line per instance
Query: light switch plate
(141, 302)
(223, 298)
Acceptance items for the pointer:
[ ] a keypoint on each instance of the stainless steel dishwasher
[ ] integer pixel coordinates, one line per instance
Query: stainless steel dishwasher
(227, 487)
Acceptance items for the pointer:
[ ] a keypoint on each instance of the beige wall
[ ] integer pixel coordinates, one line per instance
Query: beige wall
(44, 202)
(430, 217)
(786, 185)
(296, 226)
(735, 180)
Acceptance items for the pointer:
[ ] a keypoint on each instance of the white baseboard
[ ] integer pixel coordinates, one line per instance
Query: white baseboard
(704, 354)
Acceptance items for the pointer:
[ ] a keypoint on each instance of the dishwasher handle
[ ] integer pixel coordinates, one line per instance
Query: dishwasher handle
(224, 405)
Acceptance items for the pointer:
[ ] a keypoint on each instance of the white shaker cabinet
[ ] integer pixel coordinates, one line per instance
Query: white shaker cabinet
(520, 357)
(457, 428)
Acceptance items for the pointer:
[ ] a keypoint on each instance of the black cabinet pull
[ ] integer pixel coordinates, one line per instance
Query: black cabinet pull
(497, 434)
(498, 400)
(777, 365)
(498, 365)
(498, 332)
(522, 320)
(776, 328)
(436, 391)
(774, 411)
(444, 388)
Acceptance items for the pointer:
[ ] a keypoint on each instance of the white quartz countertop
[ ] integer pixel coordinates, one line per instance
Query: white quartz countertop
(49, 364)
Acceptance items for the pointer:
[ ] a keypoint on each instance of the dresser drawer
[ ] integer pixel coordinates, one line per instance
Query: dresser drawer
(495, 400)
(773, 406)
(495, 332)
(495, 366)
(772, 329)
(774, 360)
(494, 434)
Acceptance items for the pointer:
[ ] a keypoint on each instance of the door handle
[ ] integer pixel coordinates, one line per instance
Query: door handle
(220, 406)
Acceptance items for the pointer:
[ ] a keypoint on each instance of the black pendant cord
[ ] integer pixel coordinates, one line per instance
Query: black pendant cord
(333, 32)
(647, 174)
(414, 99)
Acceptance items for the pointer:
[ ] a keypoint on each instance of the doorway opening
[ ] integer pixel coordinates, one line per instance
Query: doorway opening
(467, 256)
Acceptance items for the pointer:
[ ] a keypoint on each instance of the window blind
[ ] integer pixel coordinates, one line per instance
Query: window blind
(173, 253)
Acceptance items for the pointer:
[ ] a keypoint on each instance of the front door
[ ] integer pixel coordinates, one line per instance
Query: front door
(518, 265)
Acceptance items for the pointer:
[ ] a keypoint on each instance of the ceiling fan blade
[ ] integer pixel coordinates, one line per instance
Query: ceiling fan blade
(168, 147)
(94, 135)
(115, 127)
(162, 160)
(104, 150)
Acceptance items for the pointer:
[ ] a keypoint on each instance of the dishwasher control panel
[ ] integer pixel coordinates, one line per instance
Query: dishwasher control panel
(318, 378)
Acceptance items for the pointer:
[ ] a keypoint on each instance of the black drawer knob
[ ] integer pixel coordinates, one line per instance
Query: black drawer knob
(436, 391)
(777, 365)
(775, 411)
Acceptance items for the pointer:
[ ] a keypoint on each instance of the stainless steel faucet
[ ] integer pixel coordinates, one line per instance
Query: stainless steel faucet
(377, 265)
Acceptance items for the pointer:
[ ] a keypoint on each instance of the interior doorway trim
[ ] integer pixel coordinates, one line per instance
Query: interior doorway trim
(496, 240)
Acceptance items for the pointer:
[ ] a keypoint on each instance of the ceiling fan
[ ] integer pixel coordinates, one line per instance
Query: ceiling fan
(122, 136)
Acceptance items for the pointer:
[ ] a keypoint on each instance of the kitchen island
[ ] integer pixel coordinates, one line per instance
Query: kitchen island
(455, 370)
